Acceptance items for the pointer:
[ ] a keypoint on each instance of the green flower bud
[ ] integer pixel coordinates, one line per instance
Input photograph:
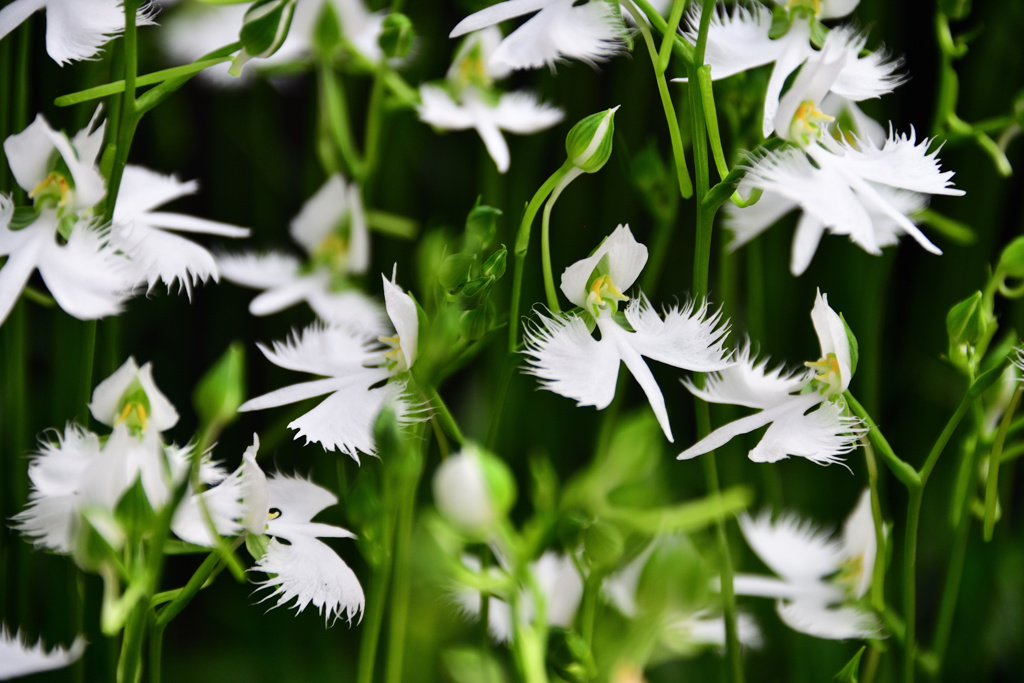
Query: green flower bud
(494, 266)
(474, 293)
(396, 36)
(589, 143)
(222, 388)
(1011, 261)
(454, 272)
(570, 656)
(264, 29)
(481, 227)
(968, 325)
(603, 544)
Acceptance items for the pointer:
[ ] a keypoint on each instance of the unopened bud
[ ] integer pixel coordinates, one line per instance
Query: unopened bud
(396, 35)
(589, 143)
(264, 29)
(474, 489)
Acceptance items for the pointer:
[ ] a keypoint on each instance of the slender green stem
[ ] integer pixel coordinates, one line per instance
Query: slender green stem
(680, 46)
(522, 246)
(878, 571)
(141, 81)
(335, 111)
(707, 95)
(903, 471)
(992, 483)
(545, 237)
(402, 579)
(378, 598)
(910, 582)
(944, 437)
(669, 35)
(442, 415)
(678, 156)
(129, 118)
(374, 121)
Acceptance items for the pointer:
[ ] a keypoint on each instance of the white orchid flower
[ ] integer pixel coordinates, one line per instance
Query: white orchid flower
(75, 29)
(560, 30)
(847, 187)
(353, 363)
(18, 658)
(820, 578)
(558, 581)
(804, 410)
(740, 41)
(146, 236)
(306, 570)
(516, 112)
(569, 361)
(131, 394)
(331, 228)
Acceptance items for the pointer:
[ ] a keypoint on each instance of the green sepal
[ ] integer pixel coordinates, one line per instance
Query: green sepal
(23, 217)
(327, 30)
(454, 272)
(781, 22)
(849, 672)
(854, 347)
(494, 266)
(983, 381)
(222, 389)
(481, 226)
(476, 323)
(257, 545)
(967, 323)
(134, 513)
(99, 539)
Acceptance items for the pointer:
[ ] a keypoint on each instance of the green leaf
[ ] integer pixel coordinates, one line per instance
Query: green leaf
(849, 672)
(222, 389)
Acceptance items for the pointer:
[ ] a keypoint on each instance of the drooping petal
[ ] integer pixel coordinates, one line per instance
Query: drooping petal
(749, 382)
(493, 140)
(569, 361)
(612, 334)
(24, 248)
(293, 394)
(308, 571)
(688, 338)
(18, 658)
(817, 619)
(591, 33)
(621, 257)
(809, 230)
(496, 13)
(794, 549)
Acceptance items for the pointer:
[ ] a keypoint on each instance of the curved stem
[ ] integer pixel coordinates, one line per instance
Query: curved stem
(545, 237)
(992, 483)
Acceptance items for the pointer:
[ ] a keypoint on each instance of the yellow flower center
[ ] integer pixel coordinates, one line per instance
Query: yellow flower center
(394, 358)
(812, 5)
(829, 374)
(604, 294)
(332, 252)
(806, 121)
(135, 414)
(54, 189)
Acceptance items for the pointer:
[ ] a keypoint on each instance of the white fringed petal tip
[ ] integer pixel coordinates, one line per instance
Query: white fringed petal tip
(18, 658)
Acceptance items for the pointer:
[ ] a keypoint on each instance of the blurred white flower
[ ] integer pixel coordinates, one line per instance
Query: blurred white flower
(820, 578)
(75, 29)
(362, 376)
(131, 394)
(331, 227)
(18, 658)
(562, 352)
(804, 410)
(561, 30)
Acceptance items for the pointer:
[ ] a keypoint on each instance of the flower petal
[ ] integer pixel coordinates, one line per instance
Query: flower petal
(401, 309)
(750, 383)
(821, 621)
(496, 13)
(625, 259)
(832, 337)
(736, 42)
(687, 338)
(328, 351)
(821, 435)
(793, 548)
(18, 658)
(86, 277)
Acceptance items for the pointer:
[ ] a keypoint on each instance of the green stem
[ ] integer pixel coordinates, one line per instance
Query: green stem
(903, 471)
(402, 577)
(678, 156)
(545, 237)
(335, 110)
(522, 246)
(378, 592)
(707, 95)
(910, 582)
(129, 118)
(669, 34)
(374, 121)
(680, 46)
(878, 571)
(152, 78)
(992, 484)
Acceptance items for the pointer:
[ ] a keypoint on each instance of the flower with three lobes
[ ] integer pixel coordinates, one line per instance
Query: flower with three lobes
(820, 579)
(804, 410)
(569, 361)
(363, 373)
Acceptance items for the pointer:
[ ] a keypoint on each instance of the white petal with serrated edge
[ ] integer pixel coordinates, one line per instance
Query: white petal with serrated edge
(345, 419)
(18, 658)
(569, 361)
(686, 338)
(521, 113)
(86, 277)
(307, 571)
(611, 333)
(748, 222)
(625, 259)
(817, 619)
(750, 383)
(352, 309)
(320, 350)
(821, 435)
(257, 270)
(793, 548)
(736, 42)
(294, 393)
(862, 78)
(77, 29)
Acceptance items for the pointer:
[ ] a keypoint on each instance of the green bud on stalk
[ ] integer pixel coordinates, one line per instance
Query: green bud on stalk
(264, 29)
(589, 143)
(396, 35)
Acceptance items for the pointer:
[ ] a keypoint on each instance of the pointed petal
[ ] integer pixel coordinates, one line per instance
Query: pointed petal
(815, 618)
(495, 143)
(863, 77)
(611, 333)
(292, 394)
(809, 230)
(345, 419)
(143, 190)
(18, 658)
(750, 383)
(625, 259)
(727, 432)
(796, 49)
(401, 309)
(832, 337)
(438, 109)
(497, 13)
(326, 351)
(107, 395)
(28, 152)
(688, 339)
(184, 223)
(25, 248)
(860, 544)
(736, 42)
(321, 214)
(569, 361)
(16, 12)
(299, 500)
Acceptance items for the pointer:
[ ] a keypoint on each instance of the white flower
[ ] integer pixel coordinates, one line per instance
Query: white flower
(84, 274)
(855, 189)
(18, 658)
(75, 29)
(353, 362)
(562, 29)
(305, 569)
(740, 41)
(804, 409)
(331, 227)
(144, 236)
(559, 583)
(820, 577)
(131, 394)
(517, 112)
(569, 361)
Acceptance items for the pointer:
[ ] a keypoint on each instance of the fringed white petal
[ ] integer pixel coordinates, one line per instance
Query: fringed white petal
(867, 77)
(621, 257)
(688, 338)
(18, 658)
(328, 351)
(622, 340)
(569, 361)
(834, 623)
(591, 33)
(258, 270)
(495, 14)
(77, 29)
(821, 435)
(748, 222)
(306, 571)
(736, 42)
(521, 113)
(749, 382)
(793, 548)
